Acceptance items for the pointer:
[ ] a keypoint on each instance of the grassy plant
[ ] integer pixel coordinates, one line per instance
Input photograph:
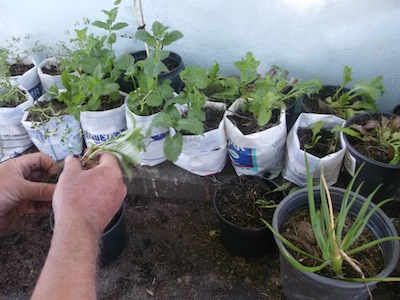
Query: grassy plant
(332, 239)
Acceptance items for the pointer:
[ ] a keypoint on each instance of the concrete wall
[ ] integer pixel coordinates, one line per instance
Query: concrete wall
(310, 38)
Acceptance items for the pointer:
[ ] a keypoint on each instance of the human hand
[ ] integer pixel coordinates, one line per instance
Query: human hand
(20, 189)
(90, 197)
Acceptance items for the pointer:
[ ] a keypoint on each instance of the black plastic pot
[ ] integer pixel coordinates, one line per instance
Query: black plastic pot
(306, 285)
(396, 110)
(373, 173)
(246, 242)
(173, 62)
(114, 238)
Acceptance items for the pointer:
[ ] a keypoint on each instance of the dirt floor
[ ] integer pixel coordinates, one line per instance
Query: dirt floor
(172, 253)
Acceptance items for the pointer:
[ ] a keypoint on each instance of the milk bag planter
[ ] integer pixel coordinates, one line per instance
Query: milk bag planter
(114, 238)
(373, 172)
(100, 126)
(13, 137)
(58, 137)
(237, 239)
(256, 153)
(30, 79)
(49, 80)
(154, 141)
(307, 285)
(294, 169)
(204, 154)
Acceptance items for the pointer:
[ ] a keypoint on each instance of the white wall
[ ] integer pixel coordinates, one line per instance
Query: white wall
(310, 38)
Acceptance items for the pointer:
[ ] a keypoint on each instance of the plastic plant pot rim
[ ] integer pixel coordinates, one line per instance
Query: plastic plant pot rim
(261, 228)
(362, 156)
(120, 212)
(383, 218)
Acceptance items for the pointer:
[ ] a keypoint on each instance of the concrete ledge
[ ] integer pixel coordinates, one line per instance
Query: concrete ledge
(169, 181)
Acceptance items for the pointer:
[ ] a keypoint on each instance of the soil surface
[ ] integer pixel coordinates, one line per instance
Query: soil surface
(327, 142)
(19, 69)
(247, 123)
(173, 252)
(51, 70)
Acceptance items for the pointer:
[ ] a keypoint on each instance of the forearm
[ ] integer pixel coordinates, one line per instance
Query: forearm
(70, 268)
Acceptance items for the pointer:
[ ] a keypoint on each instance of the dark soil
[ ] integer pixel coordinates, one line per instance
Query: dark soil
(42, 110)
(297, 229)
(171, 254)
(19, 69)
(52, 70)
(107, 103)
(327, 144)
(236, 201)
(22, 98)
(247, 123)
(213, 118)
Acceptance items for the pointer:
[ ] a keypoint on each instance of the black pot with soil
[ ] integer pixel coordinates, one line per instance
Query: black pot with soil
(113, 239)
(373, 172)
(307, 285)
(315, 103)
(173, 62)
(241, 229)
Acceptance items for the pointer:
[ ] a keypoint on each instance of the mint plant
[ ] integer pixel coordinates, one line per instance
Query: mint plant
(184, 113)
(125, 147)
(91, 75)
(149, 94)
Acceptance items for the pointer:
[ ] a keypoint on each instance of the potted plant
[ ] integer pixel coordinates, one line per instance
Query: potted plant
(320, 231)
(170, 62)
(312, 133)
(373, 139)
(240, 203)
(197, 141)
(256, 123)
(345, 102)
(14, 99)
(92, 94)
(51, 129)
(149, 92)
(22, 66)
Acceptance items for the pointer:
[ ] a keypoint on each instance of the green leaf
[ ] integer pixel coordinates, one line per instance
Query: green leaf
(119, 26)
(143, 36)
(173, 146)
(346, 75)
(154, 100)
(171, 37)
(192, 125)
(195, 75)
(101, 24)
